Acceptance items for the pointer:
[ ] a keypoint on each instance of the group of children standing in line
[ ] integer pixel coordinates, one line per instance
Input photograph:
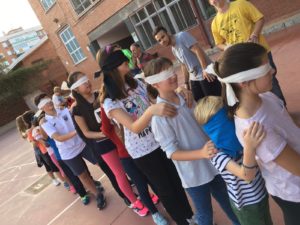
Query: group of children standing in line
(246, 139)
(239, 148)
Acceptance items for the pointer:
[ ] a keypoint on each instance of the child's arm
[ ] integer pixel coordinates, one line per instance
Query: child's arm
(85, 130)
(122, 117)
(52, 132)
(206, 152)
(289, 159)
(63, 137)
(252, 138)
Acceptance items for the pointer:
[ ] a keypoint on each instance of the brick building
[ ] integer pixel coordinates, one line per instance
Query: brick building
(79, 28)
(53, 75)
(17, 41)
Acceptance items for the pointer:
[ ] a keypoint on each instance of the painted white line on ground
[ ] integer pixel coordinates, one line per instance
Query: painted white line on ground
(69, 206)
(3, 203)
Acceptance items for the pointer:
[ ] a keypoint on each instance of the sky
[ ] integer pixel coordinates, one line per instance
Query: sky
(16, 13)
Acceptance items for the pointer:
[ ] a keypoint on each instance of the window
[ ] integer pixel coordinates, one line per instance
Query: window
(175, 15)
(6, 63)
(9, 53)
(13, 59)
(4, 44)
(81, 6)
(72, 45)
(206, 9)
(1, 55)
(47, 4)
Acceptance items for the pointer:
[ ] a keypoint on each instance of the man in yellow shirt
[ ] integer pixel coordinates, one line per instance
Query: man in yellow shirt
(240, 21)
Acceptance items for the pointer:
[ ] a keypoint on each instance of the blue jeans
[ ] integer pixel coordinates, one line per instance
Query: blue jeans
(201, 196)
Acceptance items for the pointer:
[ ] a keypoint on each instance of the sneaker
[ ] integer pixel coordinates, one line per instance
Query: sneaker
(101, 202)
(127, 202)
(159, 219)
(155, 199)
(73, 190)
(140, 209)
(67, 186)
(99, 186)
(192, 221)
(55, 182)
(85, 199)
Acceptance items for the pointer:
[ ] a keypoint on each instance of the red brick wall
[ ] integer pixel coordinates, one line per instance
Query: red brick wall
(63, 11)
(81, 26)
(56, 72)
(275, 10)
(11, 110)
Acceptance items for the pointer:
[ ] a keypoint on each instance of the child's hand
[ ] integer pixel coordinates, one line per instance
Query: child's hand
(208, 151)
(164, 109)
(187, 95)
(254, 135)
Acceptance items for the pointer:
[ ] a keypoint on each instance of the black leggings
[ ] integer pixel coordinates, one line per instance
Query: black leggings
(290, 211)
(140, 181)
(162, 174)
(74, 179)
(204, 88)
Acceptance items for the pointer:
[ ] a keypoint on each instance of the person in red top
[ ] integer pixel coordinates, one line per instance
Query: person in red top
(40, 150)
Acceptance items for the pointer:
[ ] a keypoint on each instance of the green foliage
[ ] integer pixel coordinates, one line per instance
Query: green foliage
(20, 82)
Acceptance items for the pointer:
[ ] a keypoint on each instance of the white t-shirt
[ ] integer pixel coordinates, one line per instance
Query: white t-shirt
(135, 105)
(62, 124)
(281, 130)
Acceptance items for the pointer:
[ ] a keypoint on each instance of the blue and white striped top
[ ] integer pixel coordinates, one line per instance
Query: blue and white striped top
(241, 192)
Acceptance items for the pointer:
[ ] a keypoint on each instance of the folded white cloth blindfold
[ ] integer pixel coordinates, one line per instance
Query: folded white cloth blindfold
(240, 77)
(163, 75)
(43, 102)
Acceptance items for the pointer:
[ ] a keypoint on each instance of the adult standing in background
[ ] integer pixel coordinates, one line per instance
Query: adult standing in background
(240, 21)
(193, 62)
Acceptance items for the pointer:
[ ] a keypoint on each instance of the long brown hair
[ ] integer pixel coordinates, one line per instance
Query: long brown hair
(114, 85)
(237, 58)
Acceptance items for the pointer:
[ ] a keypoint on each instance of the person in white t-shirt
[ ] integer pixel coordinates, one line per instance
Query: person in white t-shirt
(58, 125)
(247, 75)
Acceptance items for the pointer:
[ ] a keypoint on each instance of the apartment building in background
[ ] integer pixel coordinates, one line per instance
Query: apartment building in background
(79, 28)
(17, 41)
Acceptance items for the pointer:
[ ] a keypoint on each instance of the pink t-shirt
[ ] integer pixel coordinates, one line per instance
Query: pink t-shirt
(281, 130)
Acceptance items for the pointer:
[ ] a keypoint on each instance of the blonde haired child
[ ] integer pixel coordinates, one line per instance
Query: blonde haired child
(245, 185)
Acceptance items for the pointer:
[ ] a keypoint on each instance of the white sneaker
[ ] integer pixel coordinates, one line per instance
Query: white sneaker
(192, 221)
(159, 219)
(55, 182)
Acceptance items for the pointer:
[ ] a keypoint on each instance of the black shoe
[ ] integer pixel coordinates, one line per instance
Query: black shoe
(99, 186)
(127, 202)
(97, 183)
(101, 202)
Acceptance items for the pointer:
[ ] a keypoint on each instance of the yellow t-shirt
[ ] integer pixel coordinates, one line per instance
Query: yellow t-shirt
(237, 24)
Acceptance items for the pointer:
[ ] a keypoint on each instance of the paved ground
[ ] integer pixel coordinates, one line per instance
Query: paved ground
(28, 198)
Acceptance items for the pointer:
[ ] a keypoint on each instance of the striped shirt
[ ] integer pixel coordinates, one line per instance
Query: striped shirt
(241, 192)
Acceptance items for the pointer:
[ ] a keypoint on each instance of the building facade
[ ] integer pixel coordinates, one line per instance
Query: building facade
(16, 42)
(78, 28)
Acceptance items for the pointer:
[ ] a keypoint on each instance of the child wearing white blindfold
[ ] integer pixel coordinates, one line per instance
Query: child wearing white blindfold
(183, 141)
(244, 70)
